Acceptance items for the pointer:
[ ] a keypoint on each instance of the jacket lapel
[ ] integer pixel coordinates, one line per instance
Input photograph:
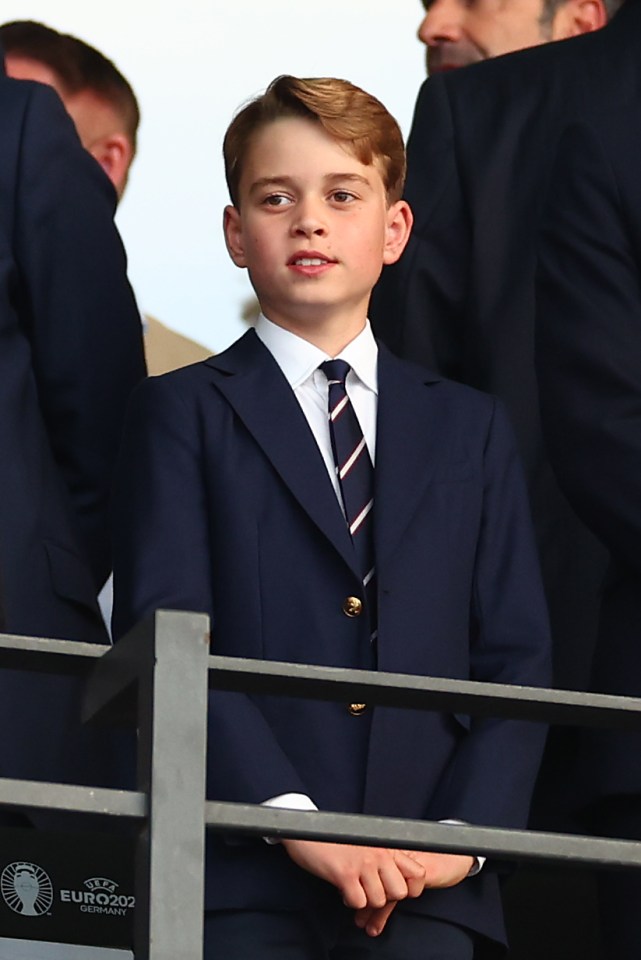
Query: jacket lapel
(409, 446)
(253, 384)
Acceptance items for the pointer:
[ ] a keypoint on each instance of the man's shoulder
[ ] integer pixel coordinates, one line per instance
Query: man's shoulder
(550, 76)
(535, 63)
(18, 97)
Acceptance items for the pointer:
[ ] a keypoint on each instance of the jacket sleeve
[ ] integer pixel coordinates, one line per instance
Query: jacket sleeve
(78, 310)
(589, 337)
(492, 776)
(162, 559)
(418, 305)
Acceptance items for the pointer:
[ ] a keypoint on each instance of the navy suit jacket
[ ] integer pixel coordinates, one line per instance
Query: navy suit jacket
(461, 299)
(589, 359)
(71, 351)
(224, 505)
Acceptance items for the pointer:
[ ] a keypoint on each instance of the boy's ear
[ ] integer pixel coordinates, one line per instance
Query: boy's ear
(399, 225)
(234, 235)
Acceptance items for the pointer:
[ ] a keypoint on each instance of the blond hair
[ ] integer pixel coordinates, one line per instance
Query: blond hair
(350, 115)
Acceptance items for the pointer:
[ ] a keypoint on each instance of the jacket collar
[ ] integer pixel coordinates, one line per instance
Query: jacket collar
(409, 433)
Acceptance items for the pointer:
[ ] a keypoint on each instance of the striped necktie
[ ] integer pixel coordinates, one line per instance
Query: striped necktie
(355, 477)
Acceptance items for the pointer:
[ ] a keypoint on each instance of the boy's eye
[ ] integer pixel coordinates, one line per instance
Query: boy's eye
(277, 200)
(343, 196)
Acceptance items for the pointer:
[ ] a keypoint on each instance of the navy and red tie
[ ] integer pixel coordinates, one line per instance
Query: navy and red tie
(355, 476)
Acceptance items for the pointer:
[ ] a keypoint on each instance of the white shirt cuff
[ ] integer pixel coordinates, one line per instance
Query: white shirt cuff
(288, 801)
(479, 862)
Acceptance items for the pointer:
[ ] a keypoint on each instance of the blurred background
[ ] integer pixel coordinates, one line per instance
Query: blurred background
(191, 65)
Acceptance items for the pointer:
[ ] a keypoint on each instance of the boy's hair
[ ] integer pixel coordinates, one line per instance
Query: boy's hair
(350, 115)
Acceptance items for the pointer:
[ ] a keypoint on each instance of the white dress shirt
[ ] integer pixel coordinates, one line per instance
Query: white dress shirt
(299, 361)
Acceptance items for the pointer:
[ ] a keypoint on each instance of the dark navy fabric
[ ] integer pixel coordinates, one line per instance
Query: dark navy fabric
(223, 504)
(70, 353)
(331, 935)
(589, 339)
(461, 299)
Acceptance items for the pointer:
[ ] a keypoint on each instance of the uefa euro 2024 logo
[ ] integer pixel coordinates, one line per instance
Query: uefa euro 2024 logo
(26, 889)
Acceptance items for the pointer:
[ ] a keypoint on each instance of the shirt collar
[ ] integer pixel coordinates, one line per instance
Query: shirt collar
(298, 358)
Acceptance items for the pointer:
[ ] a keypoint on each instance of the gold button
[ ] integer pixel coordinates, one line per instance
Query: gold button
(352, 607)
(356, 709)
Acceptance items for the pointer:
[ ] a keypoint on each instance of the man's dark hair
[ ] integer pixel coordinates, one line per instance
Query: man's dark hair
(77, 65)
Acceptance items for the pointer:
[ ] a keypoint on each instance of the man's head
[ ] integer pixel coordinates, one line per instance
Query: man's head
(96, 95)
(460, 32)
(315, 170)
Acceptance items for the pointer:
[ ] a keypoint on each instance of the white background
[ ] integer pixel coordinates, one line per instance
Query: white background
(192, 64)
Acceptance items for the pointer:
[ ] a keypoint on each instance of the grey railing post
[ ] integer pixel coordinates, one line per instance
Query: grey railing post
(172, 711)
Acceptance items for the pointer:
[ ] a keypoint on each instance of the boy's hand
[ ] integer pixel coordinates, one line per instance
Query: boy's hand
(441, 870)
(367, 877)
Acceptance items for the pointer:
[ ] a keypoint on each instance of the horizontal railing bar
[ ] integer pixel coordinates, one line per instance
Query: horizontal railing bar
(422, 835)
(43, 655)
(37, 795)
(427, 693)
(337, 684)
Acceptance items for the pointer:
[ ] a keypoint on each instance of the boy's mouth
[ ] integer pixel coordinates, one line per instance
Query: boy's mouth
(309, 258)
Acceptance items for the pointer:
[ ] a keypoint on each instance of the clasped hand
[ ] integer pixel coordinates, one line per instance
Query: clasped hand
(372, 880)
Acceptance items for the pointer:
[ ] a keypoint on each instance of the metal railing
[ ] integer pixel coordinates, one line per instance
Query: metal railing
(167, 660)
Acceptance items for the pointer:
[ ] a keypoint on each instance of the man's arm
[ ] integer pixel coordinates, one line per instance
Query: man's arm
(589, 334)
(418, 305)
(79, 312)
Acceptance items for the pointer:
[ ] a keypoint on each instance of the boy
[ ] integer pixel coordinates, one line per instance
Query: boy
(230, 501)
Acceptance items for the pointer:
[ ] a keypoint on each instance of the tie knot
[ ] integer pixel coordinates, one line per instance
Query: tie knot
(336, 370)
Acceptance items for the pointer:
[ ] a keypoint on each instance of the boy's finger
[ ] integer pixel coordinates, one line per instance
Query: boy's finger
(354, 895)
(415, 886)
(409, 866)
(393, 880)
(372, 884)
(378, 920)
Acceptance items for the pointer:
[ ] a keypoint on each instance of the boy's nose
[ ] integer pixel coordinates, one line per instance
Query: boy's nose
(441, 23)
(309, 221)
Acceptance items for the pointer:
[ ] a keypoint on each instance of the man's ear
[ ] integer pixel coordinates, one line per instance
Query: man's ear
(575, 17)
(233, 230)
(114, 153)
(399, 225)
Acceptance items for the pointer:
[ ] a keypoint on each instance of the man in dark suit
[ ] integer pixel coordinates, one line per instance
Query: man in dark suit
(461, 299)
(589, 359)
(229, 501)
(71, 353)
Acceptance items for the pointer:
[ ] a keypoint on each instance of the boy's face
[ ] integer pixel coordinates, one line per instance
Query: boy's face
(314, 229)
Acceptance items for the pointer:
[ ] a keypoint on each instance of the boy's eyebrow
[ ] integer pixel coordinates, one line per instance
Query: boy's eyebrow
(350, 177)
(285, 181)
(263, 182)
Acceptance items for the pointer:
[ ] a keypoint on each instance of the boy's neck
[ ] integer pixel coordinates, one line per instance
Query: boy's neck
(329, 335)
